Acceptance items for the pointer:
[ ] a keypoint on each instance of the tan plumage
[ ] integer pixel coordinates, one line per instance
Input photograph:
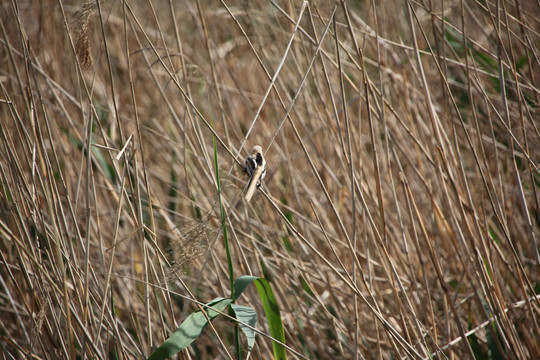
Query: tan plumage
(256, 168)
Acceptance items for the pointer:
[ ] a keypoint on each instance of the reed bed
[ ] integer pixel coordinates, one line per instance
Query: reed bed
(399, 217)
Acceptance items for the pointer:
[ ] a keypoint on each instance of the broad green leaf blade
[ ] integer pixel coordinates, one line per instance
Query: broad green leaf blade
(273, 317)
(248, 316)
(241, 284)
(271, 310)
(189, 330)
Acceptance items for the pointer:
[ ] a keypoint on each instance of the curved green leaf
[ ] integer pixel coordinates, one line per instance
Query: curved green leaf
(246, 315)
(271, 310)
(190, 329)
(242, 283)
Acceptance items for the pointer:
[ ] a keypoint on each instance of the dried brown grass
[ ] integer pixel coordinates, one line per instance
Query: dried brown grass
(401, 209)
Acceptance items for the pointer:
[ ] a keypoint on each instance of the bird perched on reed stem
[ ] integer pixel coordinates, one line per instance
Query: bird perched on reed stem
(256, 168)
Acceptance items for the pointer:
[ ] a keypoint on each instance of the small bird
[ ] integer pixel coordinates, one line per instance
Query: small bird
(256, 168)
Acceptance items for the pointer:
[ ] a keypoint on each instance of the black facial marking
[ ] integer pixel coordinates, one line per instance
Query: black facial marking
(250, 165)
